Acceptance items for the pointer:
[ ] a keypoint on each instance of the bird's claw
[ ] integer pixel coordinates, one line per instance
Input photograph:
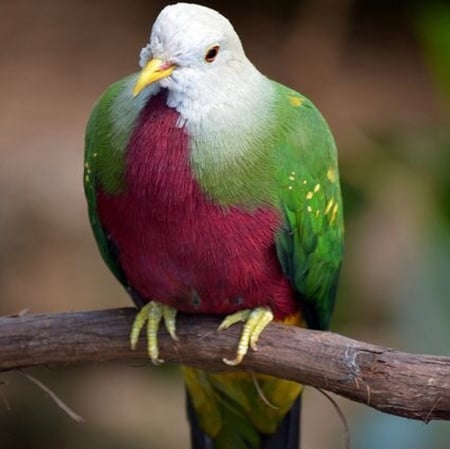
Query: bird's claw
(256, 321)
(152, 314)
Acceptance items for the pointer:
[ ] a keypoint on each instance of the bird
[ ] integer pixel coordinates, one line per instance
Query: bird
(212, 189)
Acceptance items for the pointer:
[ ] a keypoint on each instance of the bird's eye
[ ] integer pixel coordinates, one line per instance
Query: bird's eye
(212, 53)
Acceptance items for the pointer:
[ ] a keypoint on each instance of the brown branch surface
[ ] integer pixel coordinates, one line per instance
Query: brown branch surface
(409, 385)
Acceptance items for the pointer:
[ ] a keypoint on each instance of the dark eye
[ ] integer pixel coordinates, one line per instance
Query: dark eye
(212, 53)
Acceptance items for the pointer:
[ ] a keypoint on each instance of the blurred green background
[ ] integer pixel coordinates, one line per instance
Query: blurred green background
(379, 70)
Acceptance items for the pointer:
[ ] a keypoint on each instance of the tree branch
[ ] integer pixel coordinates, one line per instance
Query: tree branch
(413, 386)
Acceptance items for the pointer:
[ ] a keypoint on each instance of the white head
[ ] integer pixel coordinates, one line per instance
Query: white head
(184, 33)
(196, 54)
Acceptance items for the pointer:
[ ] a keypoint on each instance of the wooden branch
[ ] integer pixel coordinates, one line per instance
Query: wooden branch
(413, 386)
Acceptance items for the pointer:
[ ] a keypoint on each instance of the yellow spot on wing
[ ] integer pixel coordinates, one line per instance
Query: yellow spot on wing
(329, 206)
(291, 178)
(309, 209)
(295, 101)
(316, 188)
(309, 195)
(333, 214)
(331, 175)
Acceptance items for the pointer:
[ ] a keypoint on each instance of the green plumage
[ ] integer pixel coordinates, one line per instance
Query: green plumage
(310, 246)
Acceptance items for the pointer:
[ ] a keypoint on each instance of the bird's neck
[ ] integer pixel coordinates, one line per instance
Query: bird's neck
(217, 98)
(230, 127)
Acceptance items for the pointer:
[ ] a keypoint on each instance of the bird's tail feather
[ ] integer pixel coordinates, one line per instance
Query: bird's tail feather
(199, 439)
(287, 435)
(237, 431)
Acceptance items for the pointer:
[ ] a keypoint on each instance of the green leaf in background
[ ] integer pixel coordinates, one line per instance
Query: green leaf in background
(434, 32)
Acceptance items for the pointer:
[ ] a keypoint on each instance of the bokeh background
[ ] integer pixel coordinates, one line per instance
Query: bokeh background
(380, 72)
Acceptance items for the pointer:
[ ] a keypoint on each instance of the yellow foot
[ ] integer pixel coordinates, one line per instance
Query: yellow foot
(255, 322)
(152, 313)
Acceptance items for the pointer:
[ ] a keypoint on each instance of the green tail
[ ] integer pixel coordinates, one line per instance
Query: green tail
(242, 411)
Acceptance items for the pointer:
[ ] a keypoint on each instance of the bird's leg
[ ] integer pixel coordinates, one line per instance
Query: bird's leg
(256, 321)
(152, 313)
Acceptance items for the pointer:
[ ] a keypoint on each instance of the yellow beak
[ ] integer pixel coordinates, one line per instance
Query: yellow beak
(155, 70)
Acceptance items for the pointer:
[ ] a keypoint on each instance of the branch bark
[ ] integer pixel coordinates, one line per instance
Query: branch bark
(409, 385)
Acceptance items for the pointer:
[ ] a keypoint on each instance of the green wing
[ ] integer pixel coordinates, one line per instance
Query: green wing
(310, 245)
(108, 130)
